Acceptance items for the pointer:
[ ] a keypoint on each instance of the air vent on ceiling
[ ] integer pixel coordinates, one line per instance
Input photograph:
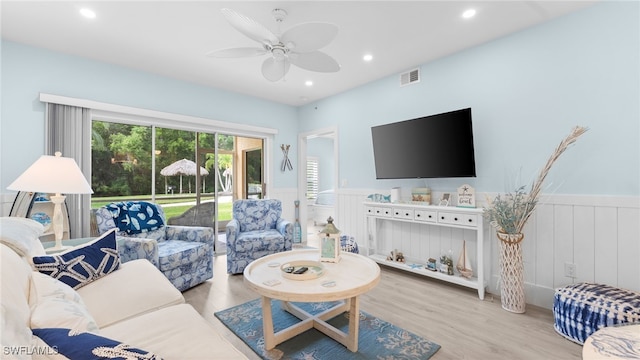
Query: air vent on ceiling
(410, 77)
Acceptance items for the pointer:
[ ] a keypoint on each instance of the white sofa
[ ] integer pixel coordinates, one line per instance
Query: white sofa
(135, 305)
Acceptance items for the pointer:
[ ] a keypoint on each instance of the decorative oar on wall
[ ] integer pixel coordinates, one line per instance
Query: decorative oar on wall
(286, 163)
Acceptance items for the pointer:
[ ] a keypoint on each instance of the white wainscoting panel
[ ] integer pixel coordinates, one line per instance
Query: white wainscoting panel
(287, 196)
(599, 235)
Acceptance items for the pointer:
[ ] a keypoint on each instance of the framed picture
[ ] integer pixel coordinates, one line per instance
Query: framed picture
(330, 248)
(445, 199)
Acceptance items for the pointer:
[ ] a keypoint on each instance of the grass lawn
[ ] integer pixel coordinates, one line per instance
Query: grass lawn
(224, 208)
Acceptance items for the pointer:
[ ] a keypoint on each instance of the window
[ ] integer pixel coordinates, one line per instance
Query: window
(312, 178)
(131, 168)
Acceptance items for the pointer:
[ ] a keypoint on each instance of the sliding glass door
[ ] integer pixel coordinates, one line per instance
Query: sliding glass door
(183, 171)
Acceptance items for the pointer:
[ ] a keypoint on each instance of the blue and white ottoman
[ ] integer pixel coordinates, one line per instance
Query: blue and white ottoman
(582, 309)
(348, 244)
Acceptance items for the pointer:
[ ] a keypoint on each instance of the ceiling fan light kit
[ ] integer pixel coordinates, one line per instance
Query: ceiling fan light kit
(298, 45)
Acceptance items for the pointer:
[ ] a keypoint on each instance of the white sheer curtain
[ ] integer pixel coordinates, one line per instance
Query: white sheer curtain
(68, 130)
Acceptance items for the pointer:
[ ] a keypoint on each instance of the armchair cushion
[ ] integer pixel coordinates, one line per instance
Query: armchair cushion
(256, 230)
(177, 252)
(270, 240)
(255, 214)
(80, 266)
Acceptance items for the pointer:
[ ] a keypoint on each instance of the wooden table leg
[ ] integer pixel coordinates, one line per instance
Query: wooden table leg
(267, 324)
(354, 324)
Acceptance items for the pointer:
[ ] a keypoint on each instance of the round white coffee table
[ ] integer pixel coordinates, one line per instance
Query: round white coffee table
(347, 279)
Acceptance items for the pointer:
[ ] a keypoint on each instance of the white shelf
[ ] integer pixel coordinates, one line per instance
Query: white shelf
(441, 216)
(456, 278)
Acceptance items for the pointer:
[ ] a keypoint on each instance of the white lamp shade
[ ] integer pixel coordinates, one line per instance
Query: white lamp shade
(53, 174)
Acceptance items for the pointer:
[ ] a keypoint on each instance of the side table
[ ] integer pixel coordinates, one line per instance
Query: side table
(69, 242)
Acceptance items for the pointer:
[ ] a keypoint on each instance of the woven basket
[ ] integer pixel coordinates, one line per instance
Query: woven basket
(511, 272)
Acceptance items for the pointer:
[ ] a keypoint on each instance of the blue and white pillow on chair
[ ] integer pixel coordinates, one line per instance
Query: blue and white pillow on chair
(135, 217)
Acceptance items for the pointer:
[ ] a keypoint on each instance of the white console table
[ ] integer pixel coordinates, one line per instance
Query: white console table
(440, 216)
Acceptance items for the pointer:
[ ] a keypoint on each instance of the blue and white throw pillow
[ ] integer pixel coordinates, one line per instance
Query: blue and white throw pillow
(134, 217)
(80, 266)
(143, 217)
(88, 346)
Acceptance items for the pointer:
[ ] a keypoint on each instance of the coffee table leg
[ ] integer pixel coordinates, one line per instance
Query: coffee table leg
(267, 324)
(354, 324)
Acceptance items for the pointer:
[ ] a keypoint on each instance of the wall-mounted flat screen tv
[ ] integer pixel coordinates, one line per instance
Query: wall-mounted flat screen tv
(436, 146)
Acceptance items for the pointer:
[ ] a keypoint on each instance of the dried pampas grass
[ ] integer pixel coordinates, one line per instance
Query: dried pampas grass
(510, 213)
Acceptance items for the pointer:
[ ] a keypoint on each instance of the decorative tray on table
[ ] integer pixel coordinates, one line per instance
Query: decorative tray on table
(295, 270)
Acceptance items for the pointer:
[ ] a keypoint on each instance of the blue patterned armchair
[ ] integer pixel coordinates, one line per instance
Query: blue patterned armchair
(256, 230)
(184, 254)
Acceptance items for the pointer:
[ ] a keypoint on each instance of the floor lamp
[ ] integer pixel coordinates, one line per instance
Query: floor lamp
(58, 175)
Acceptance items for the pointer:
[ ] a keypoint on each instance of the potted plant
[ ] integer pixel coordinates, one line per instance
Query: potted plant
(508, 214)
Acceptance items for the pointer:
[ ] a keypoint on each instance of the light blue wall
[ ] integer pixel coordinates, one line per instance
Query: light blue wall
(526, 92)
(27, 71)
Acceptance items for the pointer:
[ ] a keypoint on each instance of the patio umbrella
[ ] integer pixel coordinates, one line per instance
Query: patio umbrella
(182, 167)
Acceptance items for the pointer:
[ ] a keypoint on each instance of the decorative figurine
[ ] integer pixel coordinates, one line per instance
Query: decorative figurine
(446, 264)
(431, 264)
(396, 256)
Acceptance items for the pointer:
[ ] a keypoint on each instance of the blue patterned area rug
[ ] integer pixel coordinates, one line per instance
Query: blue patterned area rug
(378, 339)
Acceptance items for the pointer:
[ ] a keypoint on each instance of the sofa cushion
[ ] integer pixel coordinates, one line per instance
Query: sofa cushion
(136, 288)
(15, 333)
(175, 333)
(258, 240)
(80, 266)
(22, 236)
(56, 304)
(84, 345)
(14, 299)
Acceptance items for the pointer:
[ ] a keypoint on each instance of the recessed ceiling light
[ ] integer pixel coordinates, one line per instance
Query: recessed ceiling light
(468, 14)
(88, 13)
(308, 82)
(367, 57)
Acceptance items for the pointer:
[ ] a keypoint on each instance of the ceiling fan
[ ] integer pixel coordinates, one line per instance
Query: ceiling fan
(298, 45)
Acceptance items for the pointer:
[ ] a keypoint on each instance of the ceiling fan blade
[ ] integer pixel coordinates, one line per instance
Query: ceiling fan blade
(310, 36)
(237, 52)
(249, 27)
(274, 70)
(315, 61)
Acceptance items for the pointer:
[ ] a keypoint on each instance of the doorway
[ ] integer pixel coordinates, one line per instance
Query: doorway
(318, 198)
(253, 173)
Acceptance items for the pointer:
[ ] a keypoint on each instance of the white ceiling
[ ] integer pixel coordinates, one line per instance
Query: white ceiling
(171, 38)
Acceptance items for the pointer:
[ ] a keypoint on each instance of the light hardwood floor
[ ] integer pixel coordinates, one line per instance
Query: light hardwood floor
(452, 316)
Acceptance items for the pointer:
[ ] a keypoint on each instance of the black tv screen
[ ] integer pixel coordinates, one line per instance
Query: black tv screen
(436, 146)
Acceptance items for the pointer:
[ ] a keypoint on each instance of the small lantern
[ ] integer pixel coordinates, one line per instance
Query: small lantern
(330, 242)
